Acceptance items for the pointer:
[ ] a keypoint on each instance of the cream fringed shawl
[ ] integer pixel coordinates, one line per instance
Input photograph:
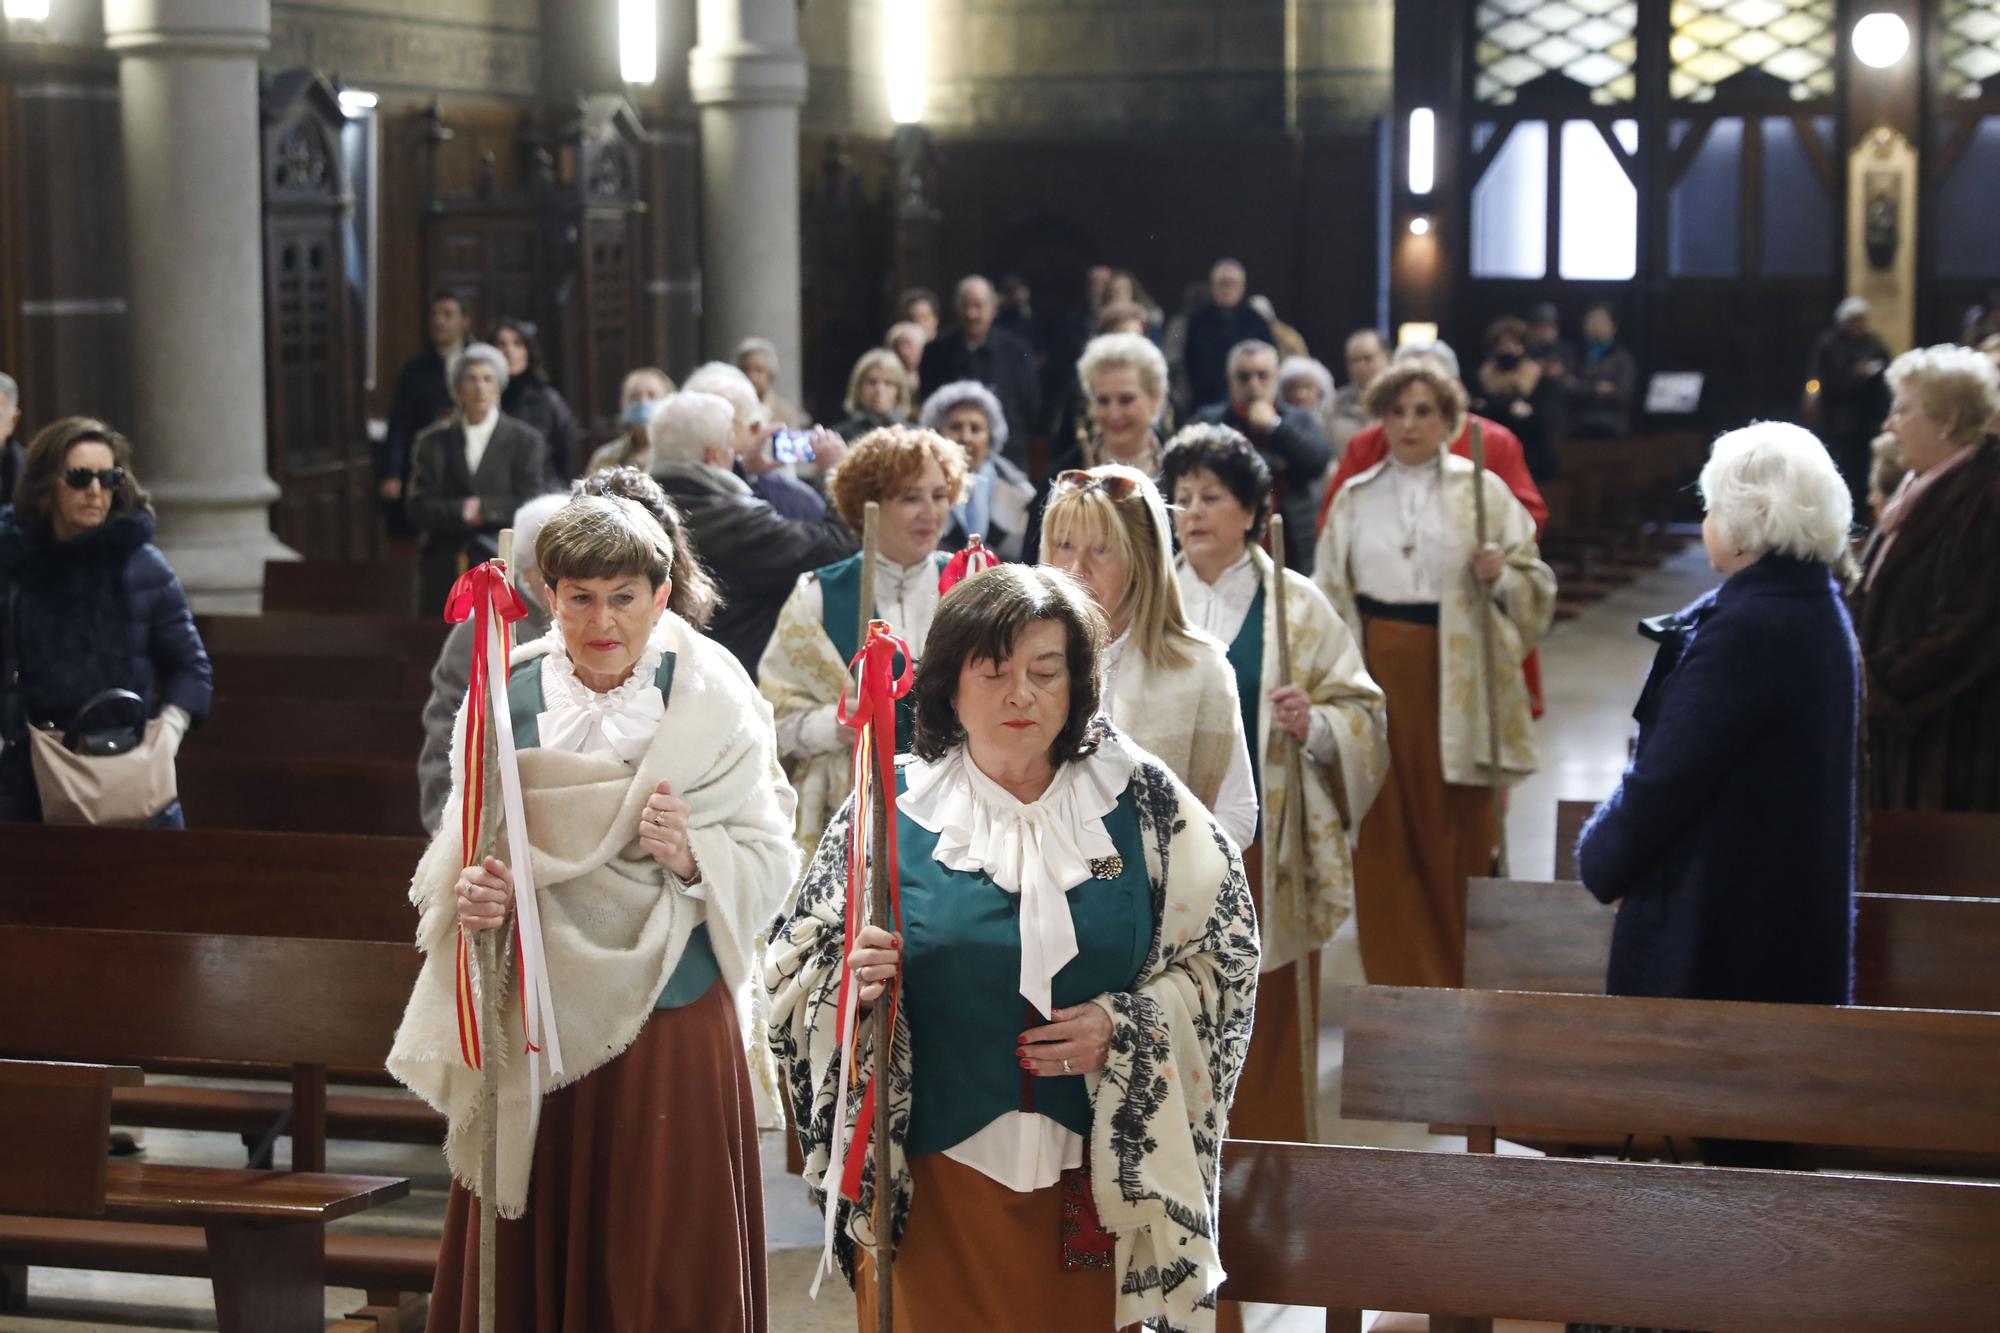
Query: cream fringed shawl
(614, 923)
(800, 671)
(1159, 1110)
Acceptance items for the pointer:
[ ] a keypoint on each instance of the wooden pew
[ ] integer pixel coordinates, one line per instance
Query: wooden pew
(263, 1231)
(381, 588)
(153, 998)
(247, 726)
(1910, 952)
(1906, 851)
(1460, 1234)
(1914, 1082)
(280, 793)
(295, 633)
(344, 677)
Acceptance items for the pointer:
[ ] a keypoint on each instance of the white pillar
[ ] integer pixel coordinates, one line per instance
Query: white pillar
(187, 80)
(747, 73)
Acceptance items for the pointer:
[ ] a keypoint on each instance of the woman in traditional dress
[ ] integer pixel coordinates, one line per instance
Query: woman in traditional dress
(1328, 706)
(915, 476)
(1401, 560)
(998, 495)
(1081, 969)
(1168, 687)
(659, 827)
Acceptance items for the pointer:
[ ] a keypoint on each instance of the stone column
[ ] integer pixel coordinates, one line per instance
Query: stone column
(747, 73)
(187, 78)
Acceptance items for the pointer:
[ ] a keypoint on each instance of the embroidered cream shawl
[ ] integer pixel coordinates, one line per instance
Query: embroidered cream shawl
(1300, 917)
(1158, 1110)
(800, 672)
(1185, 716)
(1521, 607)
(614, 923)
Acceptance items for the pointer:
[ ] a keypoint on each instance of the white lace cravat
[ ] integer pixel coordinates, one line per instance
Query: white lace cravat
(620, 722)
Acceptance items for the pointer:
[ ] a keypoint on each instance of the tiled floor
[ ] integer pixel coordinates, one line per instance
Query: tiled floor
(1593, 668)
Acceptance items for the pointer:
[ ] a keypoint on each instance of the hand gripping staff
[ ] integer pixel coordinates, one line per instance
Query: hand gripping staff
(872, 899)
(490, 779)
(1289, 837)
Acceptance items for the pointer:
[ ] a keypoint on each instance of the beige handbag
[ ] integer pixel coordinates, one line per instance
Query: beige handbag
(128, 788)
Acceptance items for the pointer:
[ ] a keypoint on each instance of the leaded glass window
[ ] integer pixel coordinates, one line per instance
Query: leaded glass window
(1794, 41)
(1968, 45)
(1592, 43)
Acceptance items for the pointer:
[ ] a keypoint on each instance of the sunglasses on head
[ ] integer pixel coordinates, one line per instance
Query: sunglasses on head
(1116, 487)
(79, 478)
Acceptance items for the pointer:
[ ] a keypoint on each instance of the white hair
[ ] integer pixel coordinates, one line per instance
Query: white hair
(731, 385)
(1437, 351)
(966, 393)
(1854, 307)
(965, 284)
(1249, 347)
(1956, 384)
(763, 347)
(528, 521)
(1135, 351)
(10, 390)
(474, 354)
(1772, 487)
(1222, 266)
(1295, 368)
(689, 424)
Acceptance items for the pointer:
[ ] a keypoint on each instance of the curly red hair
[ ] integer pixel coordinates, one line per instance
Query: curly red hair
(882, 462)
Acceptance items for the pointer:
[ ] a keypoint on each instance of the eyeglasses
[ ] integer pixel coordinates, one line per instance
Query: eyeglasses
(79, 478)
(1116, 487)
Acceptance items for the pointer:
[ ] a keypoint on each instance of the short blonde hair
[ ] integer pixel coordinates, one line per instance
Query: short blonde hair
(1137, 530)
(1131, 351)
(603, 537)
(882, 462)
(1772, 488)
(1391, 384)
(689, 424)
(1956, 384)
(878, 358)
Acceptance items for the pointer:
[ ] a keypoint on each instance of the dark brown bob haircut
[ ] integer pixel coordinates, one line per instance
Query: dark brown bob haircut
(46, 460)
(603, 537)
(980, 621)
(695, 597)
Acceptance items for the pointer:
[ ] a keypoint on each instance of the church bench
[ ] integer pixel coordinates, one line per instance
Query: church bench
(1916, 1083)
(262, 1231)
(1910, 952)
(1906, 851)
(348, 677)
(277, 793)
(382, 588)
(289, 633)
(1471, 1235)
(317, 729)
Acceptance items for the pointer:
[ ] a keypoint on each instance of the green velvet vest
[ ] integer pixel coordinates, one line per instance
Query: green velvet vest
(962, 974)
(697, 970)
(840, 617)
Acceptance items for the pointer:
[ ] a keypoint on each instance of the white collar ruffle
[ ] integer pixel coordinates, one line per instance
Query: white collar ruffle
(1039, 850)
(620, 722)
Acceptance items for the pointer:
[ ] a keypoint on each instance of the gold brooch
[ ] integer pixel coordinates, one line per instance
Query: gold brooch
(1107, 867)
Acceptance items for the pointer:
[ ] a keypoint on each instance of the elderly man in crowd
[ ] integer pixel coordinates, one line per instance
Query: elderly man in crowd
(1367, 356)
(12, 451)
(1286, 436)
(757, 358)
(772, 481)
(976, 350)
(1215, 328)
(756, 553)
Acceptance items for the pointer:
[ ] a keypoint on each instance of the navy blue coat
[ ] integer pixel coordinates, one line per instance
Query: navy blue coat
(101, 612)
(1731, 836)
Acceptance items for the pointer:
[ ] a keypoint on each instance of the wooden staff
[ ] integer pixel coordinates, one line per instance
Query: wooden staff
(1291, 836)
(871, 518)
(488, 953)
(1489, 655)
(882, 1034)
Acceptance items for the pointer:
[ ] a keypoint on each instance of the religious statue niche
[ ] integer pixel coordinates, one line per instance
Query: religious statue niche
(1881, 209)
(552, 238)
(317, 451)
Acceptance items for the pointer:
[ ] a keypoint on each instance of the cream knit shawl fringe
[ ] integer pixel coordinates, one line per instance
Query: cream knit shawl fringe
(800, 672)
(1159, 1109)
(614, 923)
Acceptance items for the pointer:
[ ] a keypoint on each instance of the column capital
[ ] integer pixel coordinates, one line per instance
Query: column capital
(747, 74)
(187, 27)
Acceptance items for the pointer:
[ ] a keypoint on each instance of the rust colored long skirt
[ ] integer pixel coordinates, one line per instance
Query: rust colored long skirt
(1424, 837)
(645, 1204)
(1270, 1098)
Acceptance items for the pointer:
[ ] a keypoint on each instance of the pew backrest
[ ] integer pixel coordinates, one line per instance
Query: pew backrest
(1910, 952)
(344, 677)
(55, 1118)
(289, 633)
(277, 793)
(1644, 1245)
(1590, 1064)
(387, 587)
(339, 729)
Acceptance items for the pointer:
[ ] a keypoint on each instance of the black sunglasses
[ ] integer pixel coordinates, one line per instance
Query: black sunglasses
(79, 478)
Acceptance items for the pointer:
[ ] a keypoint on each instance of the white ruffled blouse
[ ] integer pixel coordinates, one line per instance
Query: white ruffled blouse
(620, 722)
(1039, 850)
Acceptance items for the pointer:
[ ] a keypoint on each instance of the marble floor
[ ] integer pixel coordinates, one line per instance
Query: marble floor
(1593, 667)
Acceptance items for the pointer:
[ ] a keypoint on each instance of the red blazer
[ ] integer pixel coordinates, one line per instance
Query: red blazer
(1503, 456)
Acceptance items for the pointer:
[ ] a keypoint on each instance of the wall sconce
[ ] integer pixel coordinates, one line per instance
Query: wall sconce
(1423, 150)
(26, 11)
(638, 41)
(1880, 40)
(905, 66)
(1420, 225)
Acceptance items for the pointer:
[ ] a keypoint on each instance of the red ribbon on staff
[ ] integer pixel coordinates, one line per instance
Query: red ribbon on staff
(974, 559)
(873, 715)
(480, 594)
